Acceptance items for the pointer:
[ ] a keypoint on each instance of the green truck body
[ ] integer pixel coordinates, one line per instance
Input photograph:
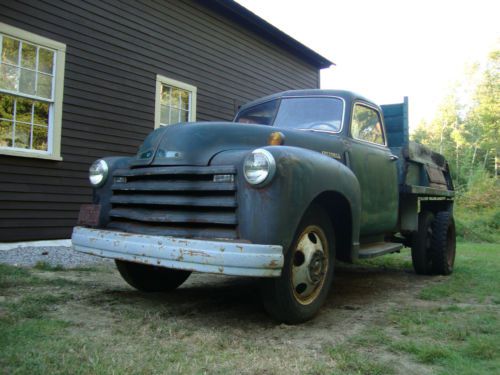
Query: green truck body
(299, 179)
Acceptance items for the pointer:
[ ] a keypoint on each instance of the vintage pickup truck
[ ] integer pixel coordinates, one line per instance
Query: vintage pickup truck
(299, 180)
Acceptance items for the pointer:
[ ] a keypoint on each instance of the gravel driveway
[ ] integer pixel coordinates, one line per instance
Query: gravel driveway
(64, 256)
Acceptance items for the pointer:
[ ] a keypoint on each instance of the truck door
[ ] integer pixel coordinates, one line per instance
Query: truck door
(374, 165)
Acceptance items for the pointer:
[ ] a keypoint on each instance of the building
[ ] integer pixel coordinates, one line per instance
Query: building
(82, 80)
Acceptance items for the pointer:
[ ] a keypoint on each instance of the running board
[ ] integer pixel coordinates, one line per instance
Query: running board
(371, 250)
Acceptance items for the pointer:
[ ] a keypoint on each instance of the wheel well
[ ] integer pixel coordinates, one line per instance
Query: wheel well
(339, 211)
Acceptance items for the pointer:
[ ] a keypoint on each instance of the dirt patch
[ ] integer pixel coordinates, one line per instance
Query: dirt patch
(226, 313)
(380, 318)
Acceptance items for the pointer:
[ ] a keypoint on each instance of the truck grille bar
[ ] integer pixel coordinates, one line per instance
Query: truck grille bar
(175, 201)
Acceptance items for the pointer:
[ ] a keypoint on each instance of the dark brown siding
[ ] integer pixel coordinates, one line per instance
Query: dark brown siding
(114, 51)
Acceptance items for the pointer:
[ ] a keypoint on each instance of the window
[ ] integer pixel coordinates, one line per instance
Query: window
(31, 86)
(319, 114)
(262, 114)
(366, 125)
(175, 102)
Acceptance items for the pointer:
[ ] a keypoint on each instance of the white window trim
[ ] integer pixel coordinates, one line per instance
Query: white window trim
(54, 134)
(184, 86)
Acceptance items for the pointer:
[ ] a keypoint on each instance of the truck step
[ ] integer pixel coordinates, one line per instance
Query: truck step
(371, 250)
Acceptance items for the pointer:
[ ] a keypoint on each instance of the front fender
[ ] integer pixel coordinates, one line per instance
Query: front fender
(271, 214)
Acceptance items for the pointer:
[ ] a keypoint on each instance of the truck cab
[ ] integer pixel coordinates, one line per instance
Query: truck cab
(298, 180)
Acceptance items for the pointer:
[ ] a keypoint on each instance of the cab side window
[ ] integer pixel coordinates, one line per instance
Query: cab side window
(366, 125)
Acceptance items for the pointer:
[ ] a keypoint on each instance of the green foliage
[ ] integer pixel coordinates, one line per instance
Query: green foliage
(468, 134)
(477, 212)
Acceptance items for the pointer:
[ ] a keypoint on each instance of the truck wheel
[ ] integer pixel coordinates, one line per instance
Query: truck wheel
(297, 295)
(443, 243)
(421, 250)
(148, 278)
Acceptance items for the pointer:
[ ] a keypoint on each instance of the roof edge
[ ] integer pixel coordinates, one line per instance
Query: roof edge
(247, 18)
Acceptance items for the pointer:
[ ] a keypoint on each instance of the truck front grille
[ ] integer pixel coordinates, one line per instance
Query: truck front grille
(175, 201)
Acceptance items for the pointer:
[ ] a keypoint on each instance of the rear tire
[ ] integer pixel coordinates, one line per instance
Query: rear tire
(421, 250)
(298, 294)
(148, 278)
(443, 243)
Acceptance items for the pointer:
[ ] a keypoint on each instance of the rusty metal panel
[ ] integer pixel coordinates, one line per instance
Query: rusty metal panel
(182, 201)
(175, 200)
(421, 154)
(436, 177)
(174, 216)
(228, 258)
(89, 215)
(175, 170)
(423, 191)
(174, 186)
(227, 232)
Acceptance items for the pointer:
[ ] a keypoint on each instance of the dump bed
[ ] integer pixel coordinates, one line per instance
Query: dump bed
(421, 171)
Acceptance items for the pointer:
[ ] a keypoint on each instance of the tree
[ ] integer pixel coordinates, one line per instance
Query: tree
(467, 134)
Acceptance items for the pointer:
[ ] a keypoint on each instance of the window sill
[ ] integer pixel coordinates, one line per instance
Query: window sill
(27, 154)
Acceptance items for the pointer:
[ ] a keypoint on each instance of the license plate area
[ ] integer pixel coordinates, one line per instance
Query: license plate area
(89, 215)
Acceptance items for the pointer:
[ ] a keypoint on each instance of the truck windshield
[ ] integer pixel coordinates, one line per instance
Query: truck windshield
(317, 113)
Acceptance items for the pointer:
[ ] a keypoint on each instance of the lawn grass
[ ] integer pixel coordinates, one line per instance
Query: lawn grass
(87, 321)
(456, 327)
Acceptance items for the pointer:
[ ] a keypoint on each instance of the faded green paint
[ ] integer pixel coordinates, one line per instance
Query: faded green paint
(309, 164)
(377, 176)
(413, 174)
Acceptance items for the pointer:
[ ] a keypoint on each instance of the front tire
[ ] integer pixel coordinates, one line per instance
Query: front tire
(297, 295)
(148, 278)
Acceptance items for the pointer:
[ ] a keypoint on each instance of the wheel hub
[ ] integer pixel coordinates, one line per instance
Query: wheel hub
(316, 271)
(310, 264)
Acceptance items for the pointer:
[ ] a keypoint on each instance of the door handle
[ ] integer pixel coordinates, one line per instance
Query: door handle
(393, 157)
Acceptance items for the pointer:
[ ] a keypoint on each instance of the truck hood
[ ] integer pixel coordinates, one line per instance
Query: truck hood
(197, 143)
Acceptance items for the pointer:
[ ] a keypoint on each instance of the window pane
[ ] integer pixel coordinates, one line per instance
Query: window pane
(184, 99)
(9, 77)
(23, 110)
(44, 86)
(41, 113)
(10, 50)
(260, 114)
(6, 106)
(5, 134)
(22, 136)
(40, 138)
(164, 115)
(174, 116)
(27, 82)
(324, 114)
(45, 61)
(165, 95)
(184, 116)
(176, 98)
(366, 125)
(28, 56)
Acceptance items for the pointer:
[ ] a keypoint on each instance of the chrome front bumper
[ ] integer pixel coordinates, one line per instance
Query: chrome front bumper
(228, 258)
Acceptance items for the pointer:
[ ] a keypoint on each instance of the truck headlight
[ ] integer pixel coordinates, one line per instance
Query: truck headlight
(259, 167)
(98, 173)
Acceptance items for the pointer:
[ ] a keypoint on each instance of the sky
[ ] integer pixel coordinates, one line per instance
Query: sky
(387, 49)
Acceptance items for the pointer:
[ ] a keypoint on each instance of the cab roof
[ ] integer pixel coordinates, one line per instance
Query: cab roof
(348, 96)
